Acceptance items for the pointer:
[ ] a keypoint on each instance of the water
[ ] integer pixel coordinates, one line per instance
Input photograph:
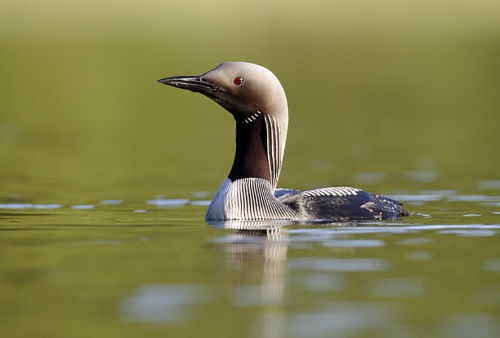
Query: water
(157, 269)
(105, 175)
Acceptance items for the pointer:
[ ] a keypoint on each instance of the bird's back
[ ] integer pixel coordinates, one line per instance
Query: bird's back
(341, 204)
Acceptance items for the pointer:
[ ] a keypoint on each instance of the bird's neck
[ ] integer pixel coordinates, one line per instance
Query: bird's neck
(260, 144)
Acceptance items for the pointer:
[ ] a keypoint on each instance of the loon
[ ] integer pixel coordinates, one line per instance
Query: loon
(257, 101)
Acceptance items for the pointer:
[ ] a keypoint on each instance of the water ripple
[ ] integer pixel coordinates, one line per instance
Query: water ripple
(162, 303)
(354, 243)
(29, 206)
(341, 319)
(168, 202)
(339, 264)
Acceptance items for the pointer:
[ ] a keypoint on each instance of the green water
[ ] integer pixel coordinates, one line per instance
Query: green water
(105, 174)
(169, 274)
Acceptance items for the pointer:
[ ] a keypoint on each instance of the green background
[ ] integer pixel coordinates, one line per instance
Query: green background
(384, 87)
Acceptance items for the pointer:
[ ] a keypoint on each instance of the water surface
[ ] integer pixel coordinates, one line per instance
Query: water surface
(154, 268)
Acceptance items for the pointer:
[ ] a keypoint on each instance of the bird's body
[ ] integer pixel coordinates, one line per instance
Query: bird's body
(257, 101)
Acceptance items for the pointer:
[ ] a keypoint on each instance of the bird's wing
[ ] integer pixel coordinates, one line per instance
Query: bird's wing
(342, 203)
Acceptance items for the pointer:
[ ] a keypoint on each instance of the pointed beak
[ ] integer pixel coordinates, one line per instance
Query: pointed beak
(193, 83)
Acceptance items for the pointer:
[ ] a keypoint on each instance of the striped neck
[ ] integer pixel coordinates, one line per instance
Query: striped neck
(259, 149)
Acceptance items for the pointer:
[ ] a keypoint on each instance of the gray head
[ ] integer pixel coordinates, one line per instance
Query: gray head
(241, 88)
(256, 99)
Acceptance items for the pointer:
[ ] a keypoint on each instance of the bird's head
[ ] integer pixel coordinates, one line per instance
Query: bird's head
(244, 89)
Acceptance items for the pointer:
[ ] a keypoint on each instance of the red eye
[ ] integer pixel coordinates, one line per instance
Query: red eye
(238, 81)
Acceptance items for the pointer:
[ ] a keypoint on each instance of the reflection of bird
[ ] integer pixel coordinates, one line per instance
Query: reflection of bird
(256, 99)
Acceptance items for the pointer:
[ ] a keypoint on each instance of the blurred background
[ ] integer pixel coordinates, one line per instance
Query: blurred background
(390, 93)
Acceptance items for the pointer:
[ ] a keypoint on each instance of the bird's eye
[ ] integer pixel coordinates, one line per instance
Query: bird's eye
(238, 81)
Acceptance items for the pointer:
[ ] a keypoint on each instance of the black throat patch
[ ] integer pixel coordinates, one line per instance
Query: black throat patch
(250, 159)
